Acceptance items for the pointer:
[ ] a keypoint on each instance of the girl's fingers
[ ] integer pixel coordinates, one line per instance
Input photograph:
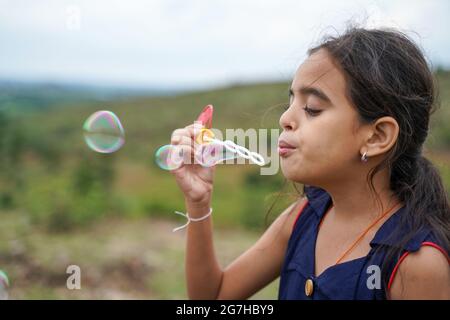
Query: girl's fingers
(190, 131)
(194, 130)
(176, 134)
(183, 140)
(187, 153)
(180, 155)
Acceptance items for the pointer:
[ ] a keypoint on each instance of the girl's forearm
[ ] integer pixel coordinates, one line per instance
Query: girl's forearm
(203, 272)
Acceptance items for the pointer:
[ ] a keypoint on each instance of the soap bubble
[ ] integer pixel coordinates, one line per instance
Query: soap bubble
(103, 132)
(169, 157)
(4, 285)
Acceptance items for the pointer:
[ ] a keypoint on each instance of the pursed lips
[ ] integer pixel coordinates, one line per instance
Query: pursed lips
(284, 148)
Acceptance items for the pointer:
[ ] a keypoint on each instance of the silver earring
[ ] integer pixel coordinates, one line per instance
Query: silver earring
(364, 157)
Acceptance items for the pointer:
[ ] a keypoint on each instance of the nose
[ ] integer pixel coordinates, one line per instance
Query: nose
(287, 121)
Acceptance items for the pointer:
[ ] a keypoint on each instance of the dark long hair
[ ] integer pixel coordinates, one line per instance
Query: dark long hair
(387, 75)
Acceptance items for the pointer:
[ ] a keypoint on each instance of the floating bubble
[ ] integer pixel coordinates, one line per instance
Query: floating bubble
(169, 157)
(103, 132)
(4, 285)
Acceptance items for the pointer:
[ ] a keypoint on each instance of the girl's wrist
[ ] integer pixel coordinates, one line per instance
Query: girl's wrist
(191, 219)
(197, 209)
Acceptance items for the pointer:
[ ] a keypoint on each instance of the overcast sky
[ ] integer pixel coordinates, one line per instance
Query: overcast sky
(182, 43)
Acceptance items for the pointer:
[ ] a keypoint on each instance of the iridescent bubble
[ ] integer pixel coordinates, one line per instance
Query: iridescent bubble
(103, 132)
(4, 285)
(169, 157)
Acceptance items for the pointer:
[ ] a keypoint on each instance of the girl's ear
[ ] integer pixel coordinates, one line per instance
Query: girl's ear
(382, 137)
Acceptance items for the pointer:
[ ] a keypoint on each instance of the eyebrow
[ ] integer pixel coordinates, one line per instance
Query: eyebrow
(311, 91)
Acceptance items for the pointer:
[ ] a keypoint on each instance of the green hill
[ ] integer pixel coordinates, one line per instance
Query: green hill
(57, 180)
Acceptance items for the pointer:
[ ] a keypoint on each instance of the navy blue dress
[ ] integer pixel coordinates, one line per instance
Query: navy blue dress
(344, 281)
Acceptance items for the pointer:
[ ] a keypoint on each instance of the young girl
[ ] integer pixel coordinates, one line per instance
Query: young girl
(374, 218)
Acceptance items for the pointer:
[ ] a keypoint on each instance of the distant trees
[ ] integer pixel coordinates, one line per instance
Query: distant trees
(12, 143)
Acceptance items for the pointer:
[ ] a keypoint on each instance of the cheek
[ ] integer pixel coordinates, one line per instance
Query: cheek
(328, 144)
(327, 147)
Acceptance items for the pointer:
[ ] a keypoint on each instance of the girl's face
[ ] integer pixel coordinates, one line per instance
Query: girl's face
(321, 125)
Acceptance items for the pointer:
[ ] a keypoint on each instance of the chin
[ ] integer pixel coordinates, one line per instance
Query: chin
(290, 172)
(297, 171)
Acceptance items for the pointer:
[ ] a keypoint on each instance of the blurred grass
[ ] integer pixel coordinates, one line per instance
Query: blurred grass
(113, 214)
(119, 259)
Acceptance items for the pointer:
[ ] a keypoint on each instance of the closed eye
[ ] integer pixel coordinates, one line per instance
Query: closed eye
(311, 112)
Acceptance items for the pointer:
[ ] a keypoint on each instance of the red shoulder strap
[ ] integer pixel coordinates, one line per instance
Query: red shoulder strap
(427, 243)
(299, 214)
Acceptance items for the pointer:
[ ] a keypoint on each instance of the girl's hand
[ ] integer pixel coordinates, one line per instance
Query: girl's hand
(194, 180)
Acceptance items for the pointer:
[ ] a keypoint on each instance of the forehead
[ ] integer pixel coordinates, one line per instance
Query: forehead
(318, 70)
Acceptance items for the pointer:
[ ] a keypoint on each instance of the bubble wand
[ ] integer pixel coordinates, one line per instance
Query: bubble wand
(169, 158)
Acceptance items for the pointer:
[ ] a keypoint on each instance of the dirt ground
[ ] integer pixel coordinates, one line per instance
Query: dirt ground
(118, 258)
